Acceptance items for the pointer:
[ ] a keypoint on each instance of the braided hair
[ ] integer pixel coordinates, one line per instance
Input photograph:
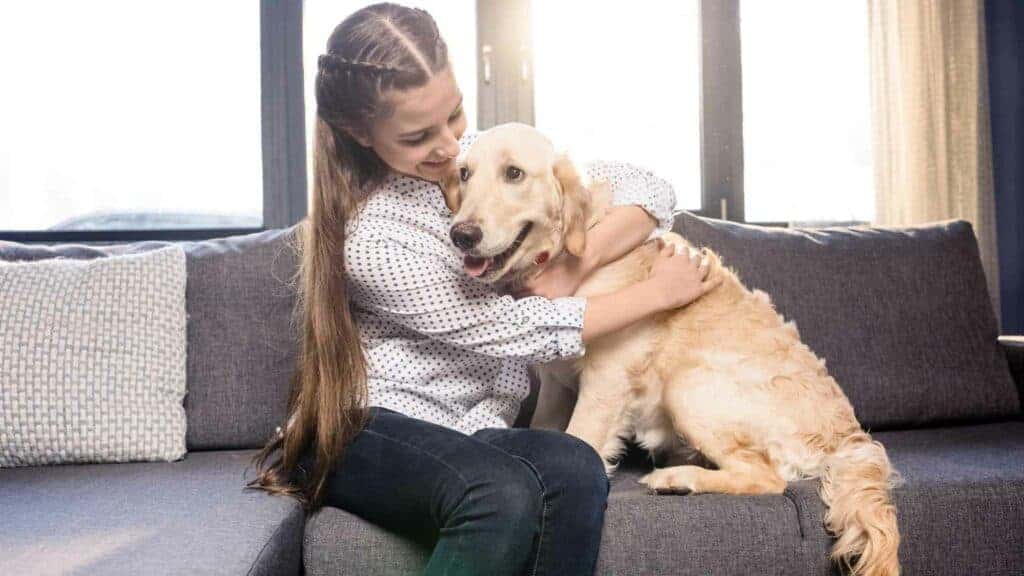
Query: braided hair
(379, 48)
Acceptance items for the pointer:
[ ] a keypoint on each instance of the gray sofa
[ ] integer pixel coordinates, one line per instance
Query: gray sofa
(902, 317)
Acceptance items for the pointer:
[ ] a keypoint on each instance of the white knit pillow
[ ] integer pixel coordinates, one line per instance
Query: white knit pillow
(92, 359)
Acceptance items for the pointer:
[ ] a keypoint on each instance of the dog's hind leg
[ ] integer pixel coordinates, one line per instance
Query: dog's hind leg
(747, 473)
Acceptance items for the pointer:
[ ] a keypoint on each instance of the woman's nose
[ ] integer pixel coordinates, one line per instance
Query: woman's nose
(450, 143)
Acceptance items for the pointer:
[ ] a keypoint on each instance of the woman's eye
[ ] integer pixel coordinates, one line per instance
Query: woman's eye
(512, 173)
(455, 116)
(415, 141)
(464, 174)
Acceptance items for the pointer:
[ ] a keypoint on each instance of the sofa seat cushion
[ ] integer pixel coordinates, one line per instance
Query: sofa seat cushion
(643, 534)
(646, 533)
(963, 495)
(187, 517)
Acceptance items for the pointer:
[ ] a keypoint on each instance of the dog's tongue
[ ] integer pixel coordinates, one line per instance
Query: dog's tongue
(475, 266)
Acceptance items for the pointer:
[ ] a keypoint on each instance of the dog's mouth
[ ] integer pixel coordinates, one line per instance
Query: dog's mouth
(480, 266)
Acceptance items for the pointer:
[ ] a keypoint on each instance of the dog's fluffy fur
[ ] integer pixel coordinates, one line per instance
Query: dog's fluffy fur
(725, 375)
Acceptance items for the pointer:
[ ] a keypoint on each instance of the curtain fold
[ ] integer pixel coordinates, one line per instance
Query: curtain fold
(931, 133)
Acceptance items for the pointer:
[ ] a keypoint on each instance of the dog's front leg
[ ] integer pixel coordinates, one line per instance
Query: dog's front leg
(598, 418)
(556, 395)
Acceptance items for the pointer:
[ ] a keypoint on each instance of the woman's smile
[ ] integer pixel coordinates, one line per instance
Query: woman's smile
(441, 164)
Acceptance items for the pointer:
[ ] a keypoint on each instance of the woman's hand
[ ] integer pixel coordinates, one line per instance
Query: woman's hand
(680, 277)
(561, 278)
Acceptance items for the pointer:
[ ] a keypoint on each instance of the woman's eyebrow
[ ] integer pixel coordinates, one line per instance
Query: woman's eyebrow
(416, 132)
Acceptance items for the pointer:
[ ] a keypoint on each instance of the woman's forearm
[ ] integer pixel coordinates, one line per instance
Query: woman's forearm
(607, 313)
(619, 232)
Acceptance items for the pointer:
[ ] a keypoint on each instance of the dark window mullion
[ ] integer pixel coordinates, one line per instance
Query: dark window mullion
(504, 47)
(283, 113)
(721, 110)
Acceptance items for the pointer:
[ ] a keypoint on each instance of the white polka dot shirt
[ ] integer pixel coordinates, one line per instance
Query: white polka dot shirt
(441, 345)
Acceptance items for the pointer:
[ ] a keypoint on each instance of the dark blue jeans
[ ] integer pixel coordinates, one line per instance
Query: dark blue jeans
(502, 501)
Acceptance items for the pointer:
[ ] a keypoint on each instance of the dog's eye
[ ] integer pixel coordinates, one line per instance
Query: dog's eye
(464, 174)
(512, 173)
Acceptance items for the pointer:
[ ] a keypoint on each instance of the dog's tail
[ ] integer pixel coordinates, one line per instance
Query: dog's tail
(856, 486)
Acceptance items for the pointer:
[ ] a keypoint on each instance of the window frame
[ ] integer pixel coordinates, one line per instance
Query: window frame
(507, 96)
(504, 94)
(283, 142)
(721, 111)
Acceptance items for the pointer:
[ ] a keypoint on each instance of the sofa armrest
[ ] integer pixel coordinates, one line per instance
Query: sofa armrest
(1014, 348)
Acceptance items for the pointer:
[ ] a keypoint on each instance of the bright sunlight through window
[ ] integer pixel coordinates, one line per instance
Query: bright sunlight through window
(130, 115)
(620, 81)
(806, 111)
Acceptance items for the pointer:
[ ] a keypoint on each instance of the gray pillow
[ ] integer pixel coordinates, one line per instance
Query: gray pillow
(93, 359)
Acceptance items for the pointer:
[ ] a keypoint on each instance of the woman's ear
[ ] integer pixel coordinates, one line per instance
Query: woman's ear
(574, 204)
(450, 186)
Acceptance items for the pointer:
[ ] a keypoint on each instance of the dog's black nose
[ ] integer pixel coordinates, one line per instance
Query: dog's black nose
(466, 235)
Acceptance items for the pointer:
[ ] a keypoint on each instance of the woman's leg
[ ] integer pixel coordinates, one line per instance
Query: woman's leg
(425, 480)
(575, 488)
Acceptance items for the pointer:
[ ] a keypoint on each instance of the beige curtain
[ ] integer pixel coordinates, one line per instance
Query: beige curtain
(932, 142)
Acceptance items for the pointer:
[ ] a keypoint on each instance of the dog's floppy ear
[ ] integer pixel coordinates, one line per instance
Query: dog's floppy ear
(450, 186)
(574, 199)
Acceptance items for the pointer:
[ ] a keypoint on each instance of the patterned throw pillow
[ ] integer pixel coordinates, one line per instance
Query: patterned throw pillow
(92, 359)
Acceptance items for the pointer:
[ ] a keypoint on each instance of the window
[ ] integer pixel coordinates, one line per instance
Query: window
(130, 115)
(626, 87)
(765, 104)
(111, 122)
(806, 111)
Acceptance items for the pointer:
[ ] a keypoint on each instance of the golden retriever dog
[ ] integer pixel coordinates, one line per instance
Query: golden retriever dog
(725, 375)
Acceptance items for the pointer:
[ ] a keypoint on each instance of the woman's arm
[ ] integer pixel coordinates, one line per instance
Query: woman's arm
(611, 312)
(634, 186)
(641, 203)
(676, 280)
(621, 231)
(417, 289)
(414, 286)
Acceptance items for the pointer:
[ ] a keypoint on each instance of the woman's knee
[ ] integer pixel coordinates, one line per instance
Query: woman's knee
(511, 485)
(507, 496)
(579, 465)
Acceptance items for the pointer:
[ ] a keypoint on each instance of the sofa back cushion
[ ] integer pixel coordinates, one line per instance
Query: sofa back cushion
(241, 337)
(901, 316)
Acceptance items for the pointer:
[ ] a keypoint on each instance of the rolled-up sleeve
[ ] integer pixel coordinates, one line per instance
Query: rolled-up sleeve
(417, 289)
(632, 185)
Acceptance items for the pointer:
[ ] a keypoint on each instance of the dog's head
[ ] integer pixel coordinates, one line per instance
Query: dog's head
(517, 203)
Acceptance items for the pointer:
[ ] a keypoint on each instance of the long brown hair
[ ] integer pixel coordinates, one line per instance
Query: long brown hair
(378, 48)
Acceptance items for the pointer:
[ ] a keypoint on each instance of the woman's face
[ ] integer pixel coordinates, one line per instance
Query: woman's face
(421, 137)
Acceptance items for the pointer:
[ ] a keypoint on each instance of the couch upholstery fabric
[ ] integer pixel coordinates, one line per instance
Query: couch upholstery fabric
(241, 340)
(187, 517)
(902, 316)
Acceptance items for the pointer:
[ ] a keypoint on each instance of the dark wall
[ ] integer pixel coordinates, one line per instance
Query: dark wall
(1004, 27)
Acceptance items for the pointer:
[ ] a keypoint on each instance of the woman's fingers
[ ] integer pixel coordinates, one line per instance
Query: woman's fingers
(709, 285)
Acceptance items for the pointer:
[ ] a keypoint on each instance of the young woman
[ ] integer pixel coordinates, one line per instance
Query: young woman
(411, 372)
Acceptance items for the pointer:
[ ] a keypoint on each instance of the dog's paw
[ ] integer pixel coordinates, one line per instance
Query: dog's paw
(610, 468)
(668, 481)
